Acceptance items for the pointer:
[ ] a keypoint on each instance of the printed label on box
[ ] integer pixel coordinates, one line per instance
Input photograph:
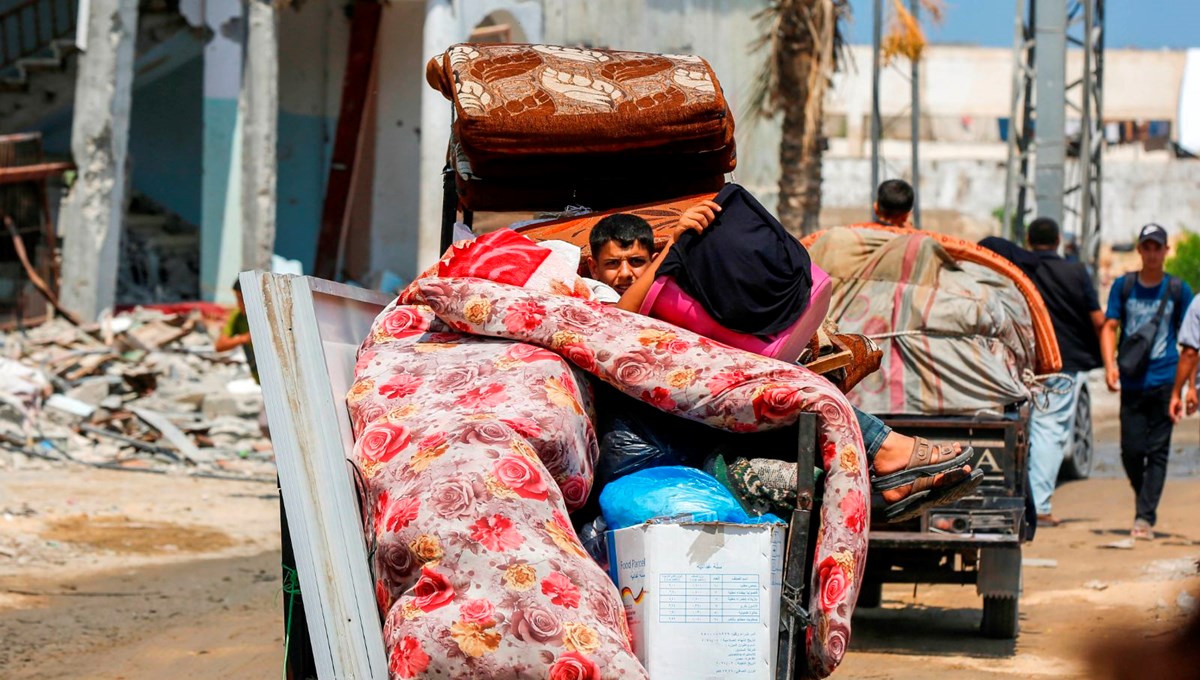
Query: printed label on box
(702, 598)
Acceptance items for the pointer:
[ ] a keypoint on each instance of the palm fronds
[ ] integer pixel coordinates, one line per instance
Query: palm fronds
(808, 31)
(904, 34)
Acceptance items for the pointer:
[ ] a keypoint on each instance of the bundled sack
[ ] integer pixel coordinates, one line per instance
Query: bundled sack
(958, 337)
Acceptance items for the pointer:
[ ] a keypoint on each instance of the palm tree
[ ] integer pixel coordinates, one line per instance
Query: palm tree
(804, 45)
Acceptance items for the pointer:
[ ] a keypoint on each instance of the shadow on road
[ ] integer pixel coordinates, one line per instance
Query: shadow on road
(923, 630)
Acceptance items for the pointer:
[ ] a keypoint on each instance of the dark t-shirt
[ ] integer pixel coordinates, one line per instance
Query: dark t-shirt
(1070, 298)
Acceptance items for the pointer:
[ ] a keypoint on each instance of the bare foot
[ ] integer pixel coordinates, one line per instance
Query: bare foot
(894, 455)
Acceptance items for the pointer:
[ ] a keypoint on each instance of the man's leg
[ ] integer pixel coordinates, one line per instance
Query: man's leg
(1157, 450)
(1049, 431)
(1133, 433)
(873, 432)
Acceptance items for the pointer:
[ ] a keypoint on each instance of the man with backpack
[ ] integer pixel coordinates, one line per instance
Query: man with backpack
(1148, 307)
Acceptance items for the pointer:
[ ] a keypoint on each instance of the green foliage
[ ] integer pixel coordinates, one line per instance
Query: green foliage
(1185, 263)
(1017, 227)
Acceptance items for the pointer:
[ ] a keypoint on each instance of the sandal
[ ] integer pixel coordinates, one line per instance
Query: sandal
(926, 462)
(925, 496)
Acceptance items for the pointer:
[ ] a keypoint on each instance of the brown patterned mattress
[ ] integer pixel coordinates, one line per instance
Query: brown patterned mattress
(536, 126)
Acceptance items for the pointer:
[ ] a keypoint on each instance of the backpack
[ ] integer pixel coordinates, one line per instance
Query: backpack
(1133, 356)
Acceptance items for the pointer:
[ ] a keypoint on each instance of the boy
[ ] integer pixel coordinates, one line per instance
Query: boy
(622, 247)
(1133, 302)
(236, 332)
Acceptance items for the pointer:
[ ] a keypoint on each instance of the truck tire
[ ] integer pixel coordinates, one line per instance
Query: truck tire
(1000, 617)
(1077, 464)
(871, 595)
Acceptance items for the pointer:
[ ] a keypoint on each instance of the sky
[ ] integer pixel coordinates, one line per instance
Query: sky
(1144, 24)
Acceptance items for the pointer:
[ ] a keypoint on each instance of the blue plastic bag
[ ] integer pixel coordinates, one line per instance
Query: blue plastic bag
(669, 492)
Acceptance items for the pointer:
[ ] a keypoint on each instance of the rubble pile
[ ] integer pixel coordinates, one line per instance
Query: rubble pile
(139, 391)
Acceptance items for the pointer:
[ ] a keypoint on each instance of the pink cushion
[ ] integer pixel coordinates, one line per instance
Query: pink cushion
(668, 302)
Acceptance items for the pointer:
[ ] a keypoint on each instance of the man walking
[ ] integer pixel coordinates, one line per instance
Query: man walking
(1074, 310)
(1148, 307)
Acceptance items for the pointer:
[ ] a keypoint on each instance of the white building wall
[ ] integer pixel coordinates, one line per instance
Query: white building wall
(413, 122)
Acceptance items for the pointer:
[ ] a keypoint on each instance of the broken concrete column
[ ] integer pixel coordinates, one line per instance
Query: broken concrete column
(94, 210)
(258, 105)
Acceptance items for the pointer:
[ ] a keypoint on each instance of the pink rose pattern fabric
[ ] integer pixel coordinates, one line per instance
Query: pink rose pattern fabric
(475, 450)
(695, 378)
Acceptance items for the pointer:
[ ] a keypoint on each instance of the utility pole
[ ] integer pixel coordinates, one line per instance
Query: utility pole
(915, 116)
(1051, 173)
(878, 129)
(876, 121)
(1050, 88)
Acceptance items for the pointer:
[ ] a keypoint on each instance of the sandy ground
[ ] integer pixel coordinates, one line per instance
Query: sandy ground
(122, 575)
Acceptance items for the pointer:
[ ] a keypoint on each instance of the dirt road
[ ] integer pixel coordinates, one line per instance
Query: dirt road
(122, 575)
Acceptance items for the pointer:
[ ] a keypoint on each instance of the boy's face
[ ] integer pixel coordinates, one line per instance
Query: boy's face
(1153, 254)
(618, 266)
(240, 303)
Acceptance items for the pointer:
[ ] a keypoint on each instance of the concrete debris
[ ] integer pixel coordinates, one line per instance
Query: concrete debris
(160, 256)
(1171, 570)
(141, 391)
(1096, 585)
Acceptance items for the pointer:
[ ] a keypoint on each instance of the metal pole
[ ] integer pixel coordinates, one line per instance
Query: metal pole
(1027, 137)
(1015, 111)
(1091, 254)
(915, 115)
(876, 122)
(1085, 136)
(1050, 132)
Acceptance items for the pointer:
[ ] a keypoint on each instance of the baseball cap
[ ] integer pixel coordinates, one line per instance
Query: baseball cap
(1153, 232)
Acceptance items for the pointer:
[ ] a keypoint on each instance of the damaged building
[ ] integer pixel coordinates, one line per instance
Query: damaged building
(212, 136)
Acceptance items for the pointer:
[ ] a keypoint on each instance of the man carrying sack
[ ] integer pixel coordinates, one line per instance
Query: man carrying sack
(1147, 306)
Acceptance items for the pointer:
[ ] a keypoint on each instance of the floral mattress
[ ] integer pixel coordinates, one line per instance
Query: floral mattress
(474, 431)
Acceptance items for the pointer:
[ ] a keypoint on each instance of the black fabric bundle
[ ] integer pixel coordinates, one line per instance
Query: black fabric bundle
(745, 269)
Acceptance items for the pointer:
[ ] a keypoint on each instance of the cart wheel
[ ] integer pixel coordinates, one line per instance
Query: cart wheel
(871, 594)
(1000, 617)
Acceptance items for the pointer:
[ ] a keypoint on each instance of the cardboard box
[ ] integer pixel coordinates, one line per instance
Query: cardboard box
(702, 598)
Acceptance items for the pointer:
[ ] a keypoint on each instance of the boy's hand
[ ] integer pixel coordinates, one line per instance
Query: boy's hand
(698, 217)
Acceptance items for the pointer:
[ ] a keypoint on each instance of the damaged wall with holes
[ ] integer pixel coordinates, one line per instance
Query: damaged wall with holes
(160, 244)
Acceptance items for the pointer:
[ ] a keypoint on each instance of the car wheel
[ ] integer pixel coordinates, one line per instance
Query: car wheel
(1077, 462)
